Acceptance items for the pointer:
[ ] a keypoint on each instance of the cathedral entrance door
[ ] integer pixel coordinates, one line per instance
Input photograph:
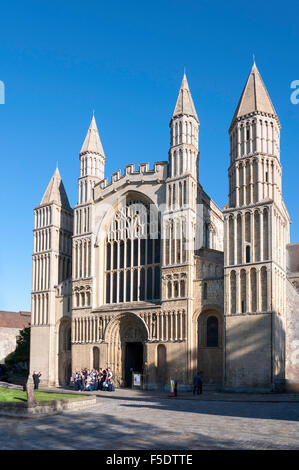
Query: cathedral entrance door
(126, 335)
(133, 361)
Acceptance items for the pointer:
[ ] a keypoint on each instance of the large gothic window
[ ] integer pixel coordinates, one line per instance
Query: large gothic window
(132, 271)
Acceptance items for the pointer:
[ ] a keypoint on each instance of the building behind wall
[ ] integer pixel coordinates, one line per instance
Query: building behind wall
(11, 323)
(148, 273)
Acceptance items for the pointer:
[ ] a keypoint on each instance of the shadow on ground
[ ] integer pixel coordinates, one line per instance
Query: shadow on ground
(142, 421)
(109, 433)
(262, 410)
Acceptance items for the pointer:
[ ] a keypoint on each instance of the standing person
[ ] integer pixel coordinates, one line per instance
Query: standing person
(101, 379)
(76, 380)
(85, 376)
(197, 383)
(95, 379)
(104, 379)
(36, 380)
(81, 381)
(110, 386)
(109, 371)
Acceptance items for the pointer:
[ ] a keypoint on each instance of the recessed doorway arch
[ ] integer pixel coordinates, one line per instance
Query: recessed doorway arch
(126, 335)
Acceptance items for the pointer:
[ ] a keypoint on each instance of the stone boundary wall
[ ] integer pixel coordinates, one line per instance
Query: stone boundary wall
(45, 408)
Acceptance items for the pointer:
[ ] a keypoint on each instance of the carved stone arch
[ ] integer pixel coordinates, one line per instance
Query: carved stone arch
(129, 317)
(124, 328)
(207, 307)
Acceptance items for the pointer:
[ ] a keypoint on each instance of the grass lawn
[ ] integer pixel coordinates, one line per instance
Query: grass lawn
(8, 394)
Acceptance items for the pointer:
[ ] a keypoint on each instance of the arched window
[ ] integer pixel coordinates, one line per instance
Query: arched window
(182, 289)
(206, 236)
(212, 332)
(233, 292)
(132, 255)
(247, 254)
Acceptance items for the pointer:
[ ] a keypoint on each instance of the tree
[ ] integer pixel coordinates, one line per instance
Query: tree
(22, 351)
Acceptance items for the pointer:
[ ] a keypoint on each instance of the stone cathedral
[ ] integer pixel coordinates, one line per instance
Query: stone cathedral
(147, 273)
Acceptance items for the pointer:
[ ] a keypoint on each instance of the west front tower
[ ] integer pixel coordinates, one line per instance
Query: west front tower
(256, 234)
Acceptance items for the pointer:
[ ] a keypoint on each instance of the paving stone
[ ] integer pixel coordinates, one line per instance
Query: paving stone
(127, 420)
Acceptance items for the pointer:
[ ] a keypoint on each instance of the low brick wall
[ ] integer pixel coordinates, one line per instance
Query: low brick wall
(46, 408)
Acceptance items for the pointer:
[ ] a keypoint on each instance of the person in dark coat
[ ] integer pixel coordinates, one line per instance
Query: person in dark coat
(36, 380)
(197, 383)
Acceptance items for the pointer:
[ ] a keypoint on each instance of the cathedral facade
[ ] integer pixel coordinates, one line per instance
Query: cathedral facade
(147, 273)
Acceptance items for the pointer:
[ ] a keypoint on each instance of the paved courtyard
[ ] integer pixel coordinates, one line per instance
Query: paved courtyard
(140, 420)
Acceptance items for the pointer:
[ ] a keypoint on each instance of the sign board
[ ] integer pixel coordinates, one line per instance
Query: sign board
(136, 380)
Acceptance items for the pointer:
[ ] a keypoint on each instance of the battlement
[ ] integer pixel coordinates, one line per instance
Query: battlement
(131, 175)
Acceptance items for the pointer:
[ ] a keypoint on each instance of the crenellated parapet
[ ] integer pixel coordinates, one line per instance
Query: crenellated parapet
(131, 176)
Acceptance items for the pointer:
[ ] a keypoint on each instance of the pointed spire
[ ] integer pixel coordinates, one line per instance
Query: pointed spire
(184, 103)
(92, 142)
(254, 97)
(55, 192)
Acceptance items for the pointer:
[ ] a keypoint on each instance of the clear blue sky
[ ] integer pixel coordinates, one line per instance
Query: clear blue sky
(62, 60)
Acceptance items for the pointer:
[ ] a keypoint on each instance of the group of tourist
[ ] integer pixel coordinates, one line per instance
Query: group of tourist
(95, 379)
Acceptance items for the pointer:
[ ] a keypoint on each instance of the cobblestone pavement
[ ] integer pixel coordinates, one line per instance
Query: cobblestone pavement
(131, 420)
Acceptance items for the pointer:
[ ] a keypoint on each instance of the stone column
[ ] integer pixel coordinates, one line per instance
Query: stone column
(158, 325)
(269, 290)
(237, 186)
(235, 241)
(258, 289)
(181, 325)
(248, 292)
(261, 235)
(238, 292)
(251, 182)
(150, 327)
(252, 237)
(171, 325)
(176, 326)
(243, 259)
(244, 184)
(87, 274)
(162, 326)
